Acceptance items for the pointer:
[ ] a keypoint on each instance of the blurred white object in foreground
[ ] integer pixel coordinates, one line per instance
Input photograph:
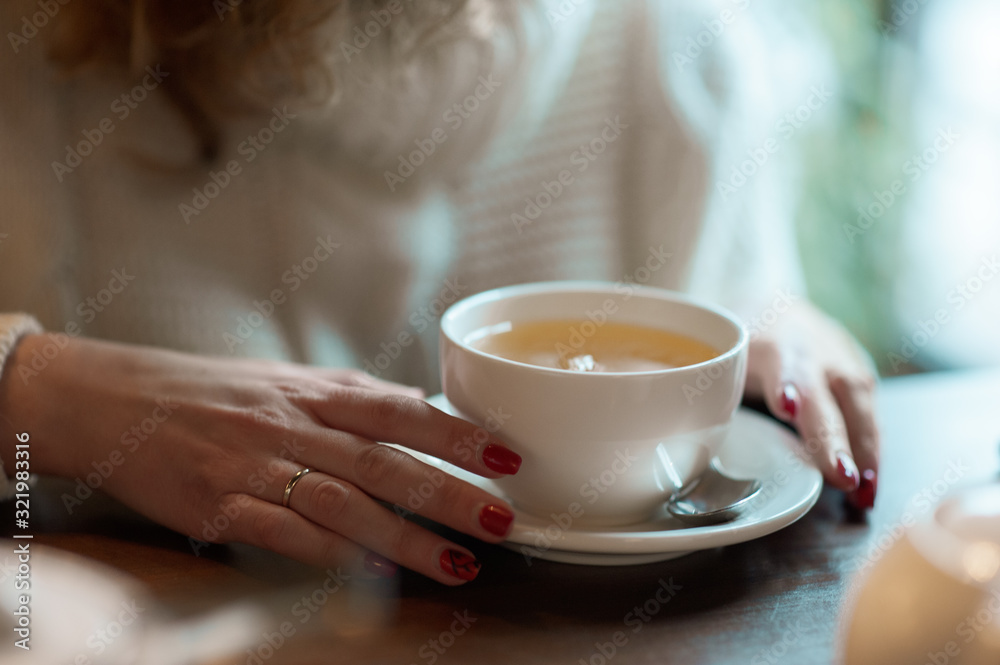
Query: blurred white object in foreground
(934, 598)
(74, 610)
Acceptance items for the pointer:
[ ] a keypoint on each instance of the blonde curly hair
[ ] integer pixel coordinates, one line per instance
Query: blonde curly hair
(229, 57)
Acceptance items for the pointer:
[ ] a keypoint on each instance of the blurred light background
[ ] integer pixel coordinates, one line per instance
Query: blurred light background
(899, 224)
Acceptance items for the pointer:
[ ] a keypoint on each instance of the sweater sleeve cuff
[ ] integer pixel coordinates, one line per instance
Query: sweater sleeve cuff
(12, 328)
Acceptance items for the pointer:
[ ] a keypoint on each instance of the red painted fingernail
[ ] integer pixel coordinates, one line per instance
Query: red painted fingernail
(847, 469)
(864, 497)
(376, 564)
(502, 460)
(496, 520)
(460, 565)
(790, 400)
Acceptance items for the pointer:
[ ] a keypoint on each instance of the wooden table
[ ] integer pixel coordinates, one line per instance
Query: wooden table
(774, 600)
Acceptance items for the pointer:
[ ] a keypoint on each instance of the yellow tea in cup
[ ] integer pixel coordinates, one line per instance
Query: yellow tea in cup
(584, 346)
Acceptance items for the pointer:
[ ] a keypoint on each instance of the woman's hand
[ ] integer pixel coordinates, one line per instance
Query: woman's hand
(206, 446)
(812, 373)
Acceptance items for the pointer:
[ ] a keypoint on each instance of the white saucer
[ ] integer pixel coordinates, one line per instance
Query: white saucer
(756, 447)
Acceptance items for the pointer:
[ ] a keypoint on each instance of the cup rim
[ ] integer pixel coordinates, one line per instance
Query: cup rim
(592, 286)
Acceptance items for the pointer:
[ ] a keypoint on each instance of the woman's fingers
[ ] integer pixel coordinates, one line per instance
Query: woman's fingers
(856, 399)
(352, 378)
(351, 472)
(797, 393)
(415, 424)
(344, 509)
(270, 526)
(336, 519)
(282, 530)
(388, 474)
(774, 380)
(821, 426)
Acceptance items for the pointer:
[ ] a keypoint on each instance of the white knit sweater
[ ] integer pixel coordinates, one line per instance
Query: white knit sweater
(308, 250)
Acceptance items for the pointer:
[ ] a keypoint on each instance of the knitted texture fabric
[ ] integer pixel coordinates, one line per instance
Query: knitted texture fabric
(578, 150)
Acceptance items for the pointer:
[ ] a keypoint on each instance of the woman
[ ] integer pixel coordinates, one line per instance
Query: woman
(217, 204)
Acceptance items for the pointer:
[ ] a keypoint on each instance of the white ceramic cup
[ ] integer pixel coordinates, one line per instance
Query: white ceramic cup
(602, 448)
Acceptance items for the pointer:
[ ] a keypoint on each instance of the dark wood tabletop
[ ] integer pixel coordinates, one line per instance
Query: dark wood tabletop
(778, 599)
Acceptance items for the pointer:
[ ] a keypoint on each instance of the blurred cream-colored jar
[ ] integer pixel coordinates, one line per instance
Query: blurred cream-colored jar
(934, 598)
